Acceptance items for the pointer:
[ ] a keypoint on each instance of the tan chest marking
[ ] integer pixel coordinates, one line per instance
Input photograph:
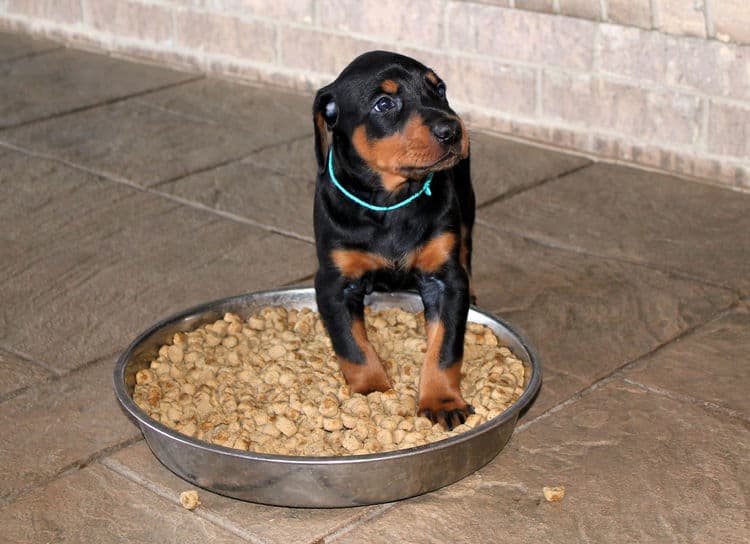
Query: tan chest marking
(355, 263)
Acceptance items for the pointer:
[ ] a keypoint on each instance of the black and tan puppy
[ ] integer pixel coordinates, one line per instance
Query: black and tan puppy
(394, 209)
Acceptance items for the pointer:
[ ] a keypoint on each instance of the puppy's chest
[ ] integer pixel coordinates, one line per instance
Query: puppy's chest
(426, 257)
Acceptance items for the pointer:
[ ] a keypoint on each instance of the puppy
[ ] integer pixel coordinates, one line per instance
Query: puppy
(394, 209)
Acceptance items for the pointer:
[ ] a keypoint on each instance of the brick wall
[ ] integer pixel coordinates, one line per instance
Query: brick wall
(661, 83)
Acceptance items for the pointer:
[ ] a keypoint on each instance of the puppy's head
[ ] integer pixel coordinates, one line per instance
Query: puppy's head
(393, 115)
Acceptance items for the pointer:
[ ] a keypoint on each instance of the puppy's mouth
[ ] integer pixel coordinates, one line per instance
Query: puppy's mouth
(447, 160)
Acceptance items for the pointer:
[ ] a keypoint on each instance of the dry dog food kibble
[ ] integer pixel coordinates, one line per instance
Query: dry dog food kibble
(271, 384)
(554, 494)
(190, 499)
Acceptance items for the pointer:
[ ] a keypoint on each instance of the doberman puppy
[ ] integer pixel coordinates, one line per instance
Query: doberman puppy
(394, 209)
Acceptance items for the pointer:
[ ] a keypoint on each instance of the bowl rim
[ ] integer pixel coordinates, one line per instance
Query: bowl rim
(143, 418)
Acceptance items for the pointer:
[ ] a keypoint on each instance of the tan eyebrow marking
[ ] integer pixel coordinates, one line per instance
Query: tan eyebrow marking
(389, 86)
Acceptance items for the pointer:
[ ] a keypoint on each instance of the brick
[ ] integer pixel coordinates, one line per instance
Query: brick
(130, 19)
(685, 17)
(632, 52)
(521, 35)
(731, 20)
(493, 85)
(62, 11)
(545, 6)
(300, 11)
(668, 117)
(320, 52)
(421, 23)
(679, 162)
(729, 130)
(502, 3)
(219, 34)
(587, 9)
(630, 12)
(707, 66)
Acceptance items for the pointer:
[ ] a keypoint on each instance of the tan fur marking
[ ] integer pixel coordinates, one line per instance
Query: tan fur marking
(389, 86)
(439, 388)
(354, 263)
(414, 146)
(322, 130)
(464, 253)
(431, 77)
(368, 377)
(433, 255)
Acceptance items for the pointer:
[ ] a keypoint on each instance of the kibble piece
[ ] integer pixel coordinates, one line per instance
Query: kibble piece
(286, 426)
(190, 499)
(144, 377)
(329, 407)
(554, 494)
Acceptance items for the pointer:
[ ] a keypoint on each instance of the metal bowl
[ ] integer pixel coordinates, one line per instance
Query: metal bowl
(317, 481)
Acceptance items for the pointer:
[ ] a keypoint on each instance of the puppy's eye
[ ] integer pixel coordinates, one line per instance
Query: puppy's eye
(384, 104)
(440, 90)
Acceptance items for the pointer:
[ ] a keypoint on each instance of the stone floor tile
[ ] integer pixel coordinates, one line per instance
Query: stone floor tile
(636, 467)
(586, 315)
(17, 373)
(59, 424)
(711, 365)
(136, 142)
(262, 195)
(499, 166)
(294, 158)
(17, 46)
(65, 80)
(271, 115)
(86, 263)
(639, 216)
(97, 505)
(268, 523)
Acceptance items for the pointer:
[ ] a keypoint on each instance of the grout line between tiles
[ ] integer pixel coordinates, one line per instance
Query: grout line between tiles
(244, 158)
(28, 358)
(619, 372)
(72, 467)
(203, 512)
(358, 521)
(533, 185)
(306, 278)
(551, 243)
(177, 199)
(55, 374)
(103, 103)
(31, 54)
(708, 405)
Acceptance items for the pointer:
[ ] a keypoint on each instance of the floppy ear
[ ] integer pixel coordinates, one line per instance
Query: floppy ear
(325, 117)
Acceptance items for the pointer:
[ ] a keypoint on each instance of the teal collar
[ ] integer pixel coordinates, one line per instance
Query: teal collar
(425, 189)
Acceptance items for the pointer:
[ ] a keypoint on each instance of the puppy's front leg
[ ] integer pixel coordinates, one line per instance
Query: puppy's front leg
(445, 296)
(341, 306)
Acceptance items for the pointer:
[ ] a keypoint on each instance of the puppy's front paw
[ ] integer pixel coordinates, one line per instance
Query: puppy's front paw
(448, 412)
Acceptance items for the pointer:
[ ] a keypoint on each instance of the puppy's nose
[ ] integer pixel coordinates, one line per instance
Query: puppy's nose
(447, 131)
